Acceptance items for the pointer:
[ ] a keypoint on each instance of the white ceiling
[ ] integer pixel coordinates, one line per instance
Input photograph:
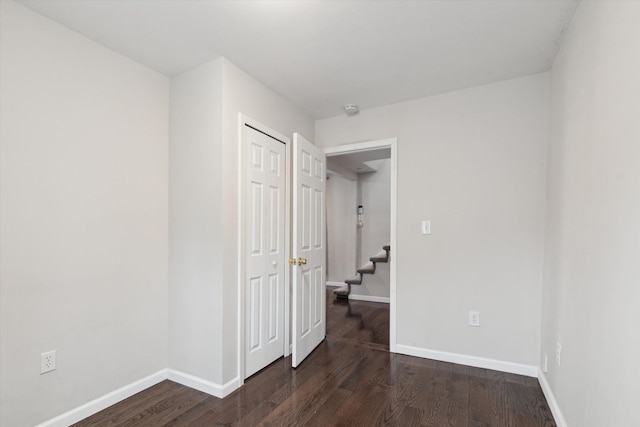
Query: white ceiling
(359, 161)
(323, 54)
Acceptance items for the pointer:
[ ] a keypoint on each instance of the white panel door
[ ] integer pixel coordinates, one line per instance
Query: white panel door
(309, 224)
(265, 249)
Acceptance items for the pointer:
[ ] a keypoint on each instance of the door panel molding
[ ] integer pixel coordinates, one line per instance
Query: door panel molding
(266, 161)
(309, 242)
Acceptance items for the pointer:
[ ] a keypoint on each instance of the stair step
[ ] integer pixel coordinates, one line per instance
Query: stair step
(354, 281)
(368, 268)
(342, 292)
(382, 256)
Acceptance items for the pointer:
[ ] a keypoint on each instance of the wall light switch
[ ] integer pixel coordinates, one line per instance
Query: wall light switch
(474, 318)
(426, 227)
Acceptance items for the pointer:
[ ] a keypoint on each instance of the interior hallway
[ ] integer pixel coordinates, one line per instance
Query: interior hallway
(350, 379)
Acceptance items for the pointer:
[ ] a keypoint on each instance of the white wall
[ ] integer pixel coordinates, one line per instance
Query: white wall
(592, 257)
(195, 215)
(83, 218)
(341, 228)
(243, 94)
(203, 309)
(470, 161)
(374, 193)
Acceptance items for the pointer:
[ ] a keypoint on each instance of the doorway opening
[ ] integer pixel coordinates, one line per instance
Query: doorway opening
(286, 308)
(361, 230)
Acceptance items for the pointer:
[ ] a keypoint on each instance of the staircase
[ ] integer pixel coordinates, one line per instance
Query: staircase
(369, 268)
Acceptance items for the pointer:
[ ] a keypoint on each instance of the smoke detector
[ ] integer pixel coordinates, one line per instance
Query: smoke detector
(351, 109)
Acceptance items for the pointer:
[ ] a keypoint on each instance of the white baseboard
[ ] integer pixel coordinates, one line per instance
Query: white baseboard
(335, 283)
(220, 391)
(551, 399)
(370, 298)
(97, 405)
(355, 297)
(463, 359)
(206, 386)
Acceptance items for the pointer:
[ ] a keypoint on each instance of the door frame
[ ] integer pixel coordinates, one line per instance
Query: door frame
(391, 143)
(243, 122)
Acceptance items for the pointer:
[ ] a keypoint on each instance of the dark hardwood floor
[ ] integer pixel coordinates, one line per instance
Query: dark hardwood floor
(349, 380)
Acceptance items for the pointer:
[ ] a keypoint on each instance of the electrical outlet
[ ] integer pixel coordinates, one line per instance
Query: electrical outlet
(47, 361)
(558, 352)
(474, 318)
(545, 364)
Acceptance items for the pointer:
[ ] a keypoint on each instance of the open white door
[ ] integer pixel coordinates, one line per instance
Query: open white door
(309, 249)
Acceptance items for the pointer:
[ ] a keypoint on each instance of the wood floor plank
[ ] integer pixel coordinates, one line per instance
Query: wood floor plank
(310, 396)
(526, 404)
(207, 409)
(165, 410)
(349, 380)
(488, 401)
(436, 404)
(118, 414)
(410, 416)
(326, 415)
(364, 367)
(361, 409)
(458, 390)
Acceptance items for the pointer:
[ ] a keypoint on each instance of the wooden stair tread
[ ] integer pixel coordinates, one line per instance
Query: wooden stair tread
(368, 268)
(354, 281)
(342, 291)
(382, 256)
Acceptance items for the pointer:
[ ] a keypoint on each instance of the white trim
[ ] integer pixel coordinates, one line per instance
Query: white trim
(205, 386)
(242, 121)
(551, 399)
(241, 261)
(103, 402)
(370, 145)
(370, 298)
(393, 341)
(356, 297)
(359, 146)
(463, 359)
(287, 248)
(335, 283)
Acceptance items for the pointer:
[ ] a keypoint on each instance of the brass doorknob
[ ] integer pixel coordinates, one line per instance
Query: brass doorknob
(302, 261)
(293, 261)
